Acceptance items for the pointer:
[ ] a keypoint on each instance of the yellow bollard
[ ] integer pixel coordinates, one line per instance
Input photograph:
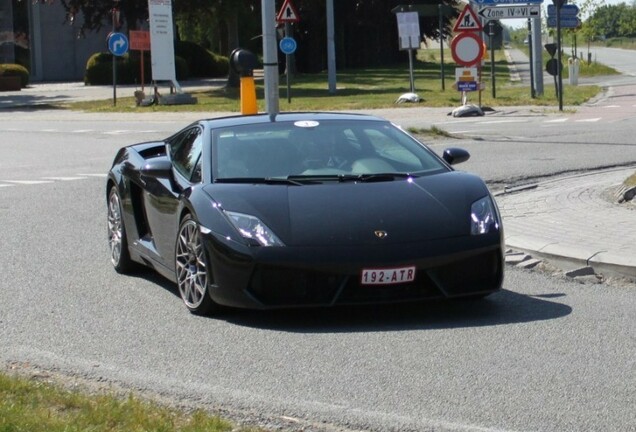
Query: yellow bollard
(248, 95)
(243, 63)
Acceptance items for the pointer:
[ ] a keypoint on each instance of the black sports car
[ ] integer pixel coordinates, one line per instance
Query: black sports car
(303, 209)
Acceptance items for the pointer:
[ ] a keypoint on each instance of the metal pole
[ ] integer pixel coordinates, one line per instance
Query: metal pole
(559, 63)
(331, 48)
(491, 33)
(270, 57)
(533, 94)
(411, 78)
(114, 13)
(441, 44)
(537, 55)
(288, 63)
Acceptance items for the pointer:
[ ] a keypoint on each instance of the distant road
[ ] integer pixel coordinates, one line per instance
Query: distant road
(624, 61)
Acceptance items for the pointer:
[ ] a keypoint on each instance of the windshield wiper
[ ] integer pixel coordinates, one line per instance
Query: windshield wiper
(259, 180)
(379, 177)
(350, 177)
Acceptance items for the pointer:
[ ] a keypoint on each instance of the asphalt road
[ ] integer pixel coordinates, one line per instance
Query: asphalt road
(545, 354)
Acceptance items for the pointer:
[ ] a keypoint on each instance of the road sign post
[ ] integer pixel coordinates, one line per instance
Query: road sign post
(409, 34)
(140, 41)
(467, 49)
(288, 47)
(118, 46)
(491, 34)
(559, 4)
(510, 12)
(288, 15)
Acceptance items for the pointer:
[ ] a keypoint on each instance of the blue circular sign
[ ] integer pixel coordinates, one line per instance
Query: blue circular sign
(287, 45)
(118, 44)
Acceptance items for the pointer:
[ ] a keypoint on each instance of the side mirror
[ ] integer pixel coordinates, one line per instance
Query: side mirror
(455, 155)
(158, 167)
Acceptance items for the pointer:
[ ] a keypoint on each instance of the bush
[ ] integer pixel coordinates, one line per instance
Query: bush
(10, 69)
(191, 60)
(201, 62)
(99, 69)
(221, 65)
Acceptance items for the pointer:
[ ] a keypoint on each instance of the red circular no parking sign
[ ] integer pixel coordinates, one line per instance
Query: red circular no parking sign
(467, 49)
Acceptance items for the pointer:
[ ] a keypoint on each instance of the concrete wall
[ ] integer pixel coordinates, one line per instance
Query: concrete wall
(6, 32)
(57, 52)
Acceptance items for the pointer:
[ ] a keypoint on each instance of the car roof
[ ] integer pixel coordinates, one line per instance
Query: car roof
(240, 120)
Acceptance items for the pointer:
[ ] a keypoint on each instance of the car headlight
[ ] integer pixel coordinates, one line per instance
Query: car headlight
(252, 228)
(483, 217)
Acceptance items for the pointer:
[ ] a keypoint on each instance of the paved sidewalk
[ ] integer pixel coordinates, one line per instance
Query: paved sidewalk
(572, 221)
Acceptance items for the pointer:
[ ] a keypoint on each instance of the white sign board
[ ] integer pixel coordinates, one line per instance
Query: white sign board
(161, 40)
(408, 30)
(504, 12)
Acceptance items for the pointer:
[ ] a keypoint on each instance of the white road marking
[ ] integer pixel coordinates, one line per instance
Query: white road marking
(130, 132)
(467, 131)
(504, 121)
(86, 131)
(117, 132)
(559, 120)
(49, 180)
(611, 106)
(590, 120)
(28, 182)
(64, 178)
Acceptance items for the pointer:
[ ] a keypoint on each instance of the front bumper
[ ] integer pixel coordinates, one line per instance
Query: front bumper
(275, 277)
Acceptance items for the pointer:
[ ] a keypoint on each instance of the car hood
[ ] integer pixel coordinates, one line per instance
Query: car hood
(348, 213)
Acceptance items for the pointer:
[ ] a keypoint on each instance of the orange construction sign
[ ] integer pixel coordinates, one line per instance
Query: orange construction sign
(139, 40)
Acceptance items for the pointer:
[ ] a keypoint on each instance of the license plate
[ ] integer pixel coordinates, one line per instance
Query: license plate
(387, 276)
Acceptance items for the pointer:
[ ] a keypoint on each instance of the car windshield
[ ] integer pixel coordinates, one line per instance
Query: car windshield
(309, 151)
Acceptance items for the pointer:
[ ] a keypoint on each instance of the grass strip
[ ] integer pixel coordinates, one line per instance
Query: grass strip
(33, 406)
(371, 88)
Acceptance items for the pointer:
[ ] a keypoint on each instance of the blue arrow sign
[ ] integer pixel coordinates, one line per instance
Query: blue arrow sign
(287, 45)
(118, 44)
(566, 22)
(566, 10)
(504, 2)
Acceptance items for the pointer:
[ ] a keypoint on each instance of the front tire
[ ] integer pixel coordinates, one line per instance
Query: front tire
(192, 269)
(117, 241)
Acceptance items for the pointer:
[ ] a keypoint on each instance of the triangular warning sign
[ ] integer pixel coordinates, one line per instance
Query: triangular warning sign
(288, 13)
(467, 21)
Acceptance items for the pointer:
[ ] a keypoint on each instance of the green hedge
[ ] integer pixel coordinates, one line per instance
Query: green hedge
(191, 60)
(99, 69)
(201, 62)
(10, 69)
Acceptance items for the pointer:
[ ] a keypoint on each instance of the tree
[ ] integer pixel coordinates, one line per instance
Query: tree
(236, 23)
(99, 13)
(366, 30)
(606, 21)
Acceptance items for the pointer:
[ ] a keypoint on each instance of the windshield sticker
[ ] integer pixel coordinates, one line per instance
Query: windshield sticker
(306, 123)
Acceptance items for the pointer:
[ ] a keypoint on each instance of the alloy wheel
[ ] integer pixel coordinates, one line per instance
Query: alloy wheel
(115, 228)
(192, 275)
